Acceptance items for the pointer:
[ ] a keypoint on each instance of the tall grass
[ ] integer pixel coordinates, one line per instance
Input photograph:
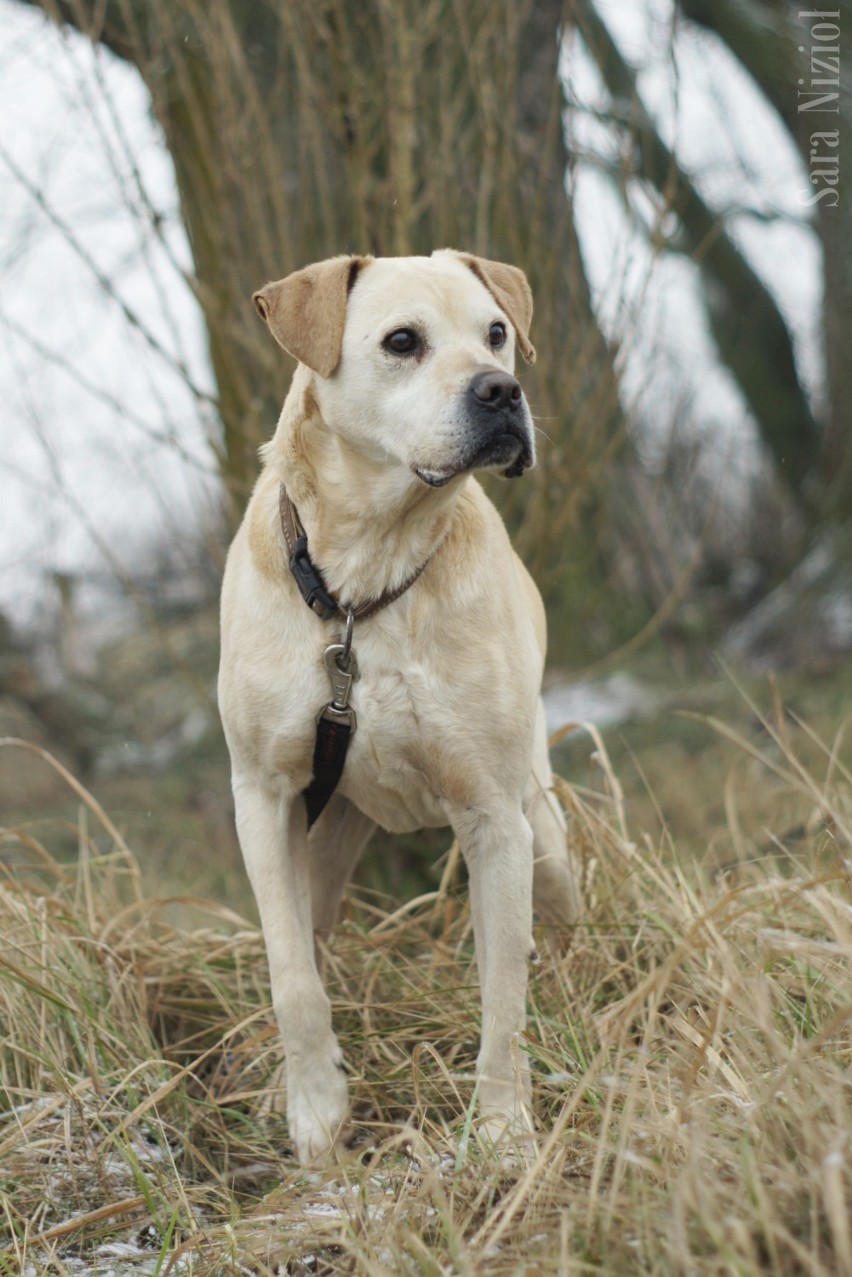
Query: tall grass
(690, 1043)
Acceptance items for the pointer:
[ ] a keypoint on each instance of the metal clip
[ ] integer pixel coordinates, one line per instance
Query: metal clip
(336, 714)
(341, 675)
(342, 672)
(347, 642)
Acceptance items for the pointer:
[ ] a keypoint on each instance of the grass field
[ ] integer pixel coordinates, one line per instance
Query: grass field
(691, 1044)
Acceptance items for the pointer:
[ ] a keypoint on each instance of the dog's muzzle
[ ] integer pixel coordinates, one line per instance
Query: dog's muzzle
(501, 433)
(499, 430)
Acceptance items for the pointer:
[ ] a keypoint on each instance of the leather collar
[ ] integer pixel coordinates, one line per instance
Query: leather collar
(309, 579)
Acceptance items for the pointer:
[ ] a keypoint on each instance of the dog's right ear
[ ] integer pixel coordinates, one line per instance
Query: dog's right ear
(306, 312)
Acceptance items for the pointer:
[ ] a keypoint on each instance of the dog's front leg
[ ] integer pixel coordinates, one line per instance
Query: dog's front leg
(498, 848)
(273, 835)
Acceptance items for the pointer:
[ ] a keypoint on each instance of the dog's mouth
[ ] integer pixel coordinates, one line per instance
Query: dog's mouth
(435, 478)
(511, 449)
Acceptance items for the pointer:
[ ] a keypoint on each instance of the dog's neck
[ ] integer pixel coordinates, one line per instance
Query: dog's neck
(370, 525)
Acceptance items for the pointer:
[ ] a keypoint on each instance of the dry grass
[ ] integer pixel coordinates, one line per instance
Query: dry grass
(690, 1043)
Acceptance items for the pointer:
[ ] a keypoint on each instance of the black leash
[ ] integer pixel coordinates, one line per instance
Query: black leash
(335, 724)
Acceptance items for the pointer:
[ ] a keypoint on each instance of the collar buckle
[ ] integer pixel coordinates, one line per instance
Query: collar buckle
(310, 583)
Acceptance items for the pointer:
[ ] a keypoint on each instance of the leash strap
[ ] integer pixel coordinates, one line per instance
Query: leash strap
(330, 748)
(335, 724)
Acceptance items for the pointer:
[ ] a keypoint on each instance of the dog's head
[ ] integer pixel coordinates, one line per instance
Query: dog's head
(414, 357)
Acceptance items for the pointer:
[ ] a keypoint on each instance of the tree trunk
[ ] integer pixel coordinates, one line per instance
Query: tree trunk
(747, 326)
(316, 127)
(804, 67)
(303, 128)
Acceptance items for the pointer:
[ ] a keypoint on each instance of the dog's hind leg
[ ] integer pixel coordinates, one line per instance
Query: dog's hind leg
(556, 887)
(334, 847)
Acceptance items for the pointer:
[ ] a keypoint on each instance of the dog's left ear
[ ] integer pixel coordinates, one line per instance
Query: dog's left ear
(306, 312)
(509, 287)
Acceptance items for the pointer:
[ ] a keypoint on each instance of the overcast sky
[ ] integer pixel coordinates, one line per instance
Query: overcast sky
(104, 418)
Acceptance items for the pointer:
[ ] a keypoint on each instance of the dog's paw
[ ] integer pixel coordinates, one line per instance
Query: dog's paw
(516, 1125)
(506, 1122)
(317, 1111)
(511, 1136)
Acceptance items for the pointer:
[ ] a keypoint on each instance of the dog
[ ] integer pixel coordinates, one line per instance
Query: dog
(406, 694)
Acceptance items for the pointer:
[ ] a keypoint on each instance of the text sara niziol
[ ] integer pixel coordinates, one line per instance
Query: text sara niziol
(819, 94)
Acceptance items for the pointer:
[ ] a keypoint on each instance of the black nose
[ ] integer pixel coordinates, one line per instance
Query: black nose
(496, 389)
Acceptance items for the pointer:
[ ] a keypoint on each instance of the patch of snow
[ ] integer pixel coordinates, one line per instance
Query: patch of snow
(602, 702)
(836, 611)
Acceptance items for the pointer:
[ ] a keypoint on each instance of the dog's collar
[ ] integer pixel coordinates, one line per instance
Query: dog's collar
(309, 579)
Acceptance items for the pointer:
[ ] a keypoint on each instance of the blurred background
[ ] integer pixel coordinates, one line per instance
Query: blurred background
(669, 174)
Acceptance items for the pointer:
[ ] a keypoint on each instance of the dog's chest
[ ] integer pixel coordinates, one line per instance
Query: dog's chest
(437, 731)
(395, 766)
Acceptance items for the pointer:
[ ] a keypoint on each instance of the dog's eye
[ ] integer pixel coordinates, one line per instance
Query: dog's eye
(403, 341)
(497, 336)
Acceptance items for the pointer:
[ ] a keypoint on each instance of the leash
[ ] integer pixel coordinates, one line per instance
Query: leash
(336, 722)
